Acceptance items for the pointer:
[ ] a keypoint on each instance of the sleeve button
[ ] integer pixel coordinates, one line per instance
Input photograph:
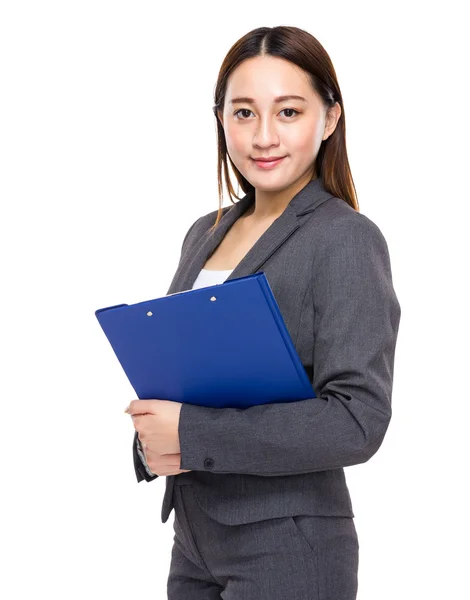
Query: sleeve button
(208, 463)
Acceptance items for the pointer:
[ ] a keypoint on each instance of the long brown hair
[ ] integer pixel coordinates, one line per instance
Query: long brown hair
(305, 51)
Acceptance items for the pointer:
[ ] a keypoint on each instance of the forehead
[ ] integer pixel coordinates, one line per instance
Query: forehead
(264, 77)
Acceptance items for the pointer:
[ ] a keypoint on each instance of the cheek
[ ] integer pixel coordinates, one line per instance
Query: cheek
(235, 140)
(305, 140)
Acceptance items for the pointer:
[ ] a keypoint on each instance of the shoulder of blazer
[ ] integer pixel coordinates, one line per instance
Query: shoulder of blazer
(336, 217)
(348, 236)
(200, 227)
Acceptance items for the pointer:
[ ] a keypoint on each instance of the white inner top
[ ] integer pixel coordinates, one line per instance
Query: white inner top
(217, 270)
(208, 277)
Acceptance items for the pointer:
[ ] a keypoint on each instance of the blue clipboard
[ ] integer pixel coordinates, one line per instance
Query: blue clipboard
(224, 345)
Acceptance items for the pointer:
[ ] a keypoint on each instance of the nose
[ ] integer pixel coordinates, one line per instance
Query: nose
(266, 134)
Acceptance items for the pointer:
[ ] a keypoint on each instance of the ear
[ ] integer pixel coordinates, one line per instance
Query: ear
(332, 117)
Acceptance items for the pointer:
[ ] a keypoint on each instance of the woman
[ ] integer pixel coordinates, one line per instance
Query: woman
(262, 508)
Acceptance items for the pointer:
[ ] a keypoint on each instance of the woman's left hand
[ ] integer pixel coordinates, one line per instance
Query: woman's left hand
(156, 422)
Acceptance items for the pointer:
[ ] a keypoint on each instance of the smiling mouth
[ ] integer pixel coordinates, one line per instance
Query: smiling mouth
(268, 164)
(267, 158)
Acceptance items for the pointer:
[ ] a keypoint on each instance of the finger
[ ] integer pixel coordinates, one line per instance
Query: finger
(140, 421)
(169, 472)
(172, 460)
(164, 462)
(142, 407)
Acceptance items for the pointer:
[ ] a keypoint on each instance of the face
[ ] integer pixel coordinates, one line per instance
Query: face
(291, 128)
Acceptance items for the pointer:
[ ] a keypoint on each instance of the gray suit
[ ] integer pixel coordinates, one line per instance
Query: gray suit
(329, 269)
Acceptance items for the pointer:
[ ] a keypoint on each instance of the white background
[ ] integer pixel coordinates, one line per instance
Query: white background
(108, 155)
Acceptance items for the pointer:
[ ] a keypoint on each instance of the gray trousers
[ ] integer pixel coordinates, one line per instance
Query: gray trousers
(302, 557)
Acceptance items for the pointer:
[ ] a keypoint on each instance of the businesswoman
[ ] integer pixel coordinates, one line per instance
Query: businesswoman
(262, 509)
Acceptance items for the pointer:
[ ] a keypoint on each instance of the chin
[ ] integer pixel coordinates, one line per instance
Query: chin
(275, 186)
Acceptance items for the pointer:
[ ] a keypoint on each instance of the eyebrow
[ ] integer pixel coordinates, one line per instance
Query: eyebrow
(276, 100)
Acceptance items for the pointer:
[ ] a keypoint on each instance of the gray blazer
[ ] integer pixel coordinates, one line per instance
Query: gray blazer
(329, 269)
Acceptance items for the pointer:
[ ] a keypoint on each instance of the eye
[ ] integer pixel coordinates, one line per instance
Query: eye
(292, 109)
(235, 114)
(249, 111)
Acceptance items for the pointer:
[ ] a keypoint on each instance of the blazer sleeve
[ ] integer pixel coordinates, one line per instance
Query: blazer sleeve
(141, 468)
(356, 319)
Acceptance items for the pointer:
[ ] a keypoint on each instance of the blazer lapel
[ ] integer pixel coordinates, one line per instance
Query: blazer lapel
(305, 201)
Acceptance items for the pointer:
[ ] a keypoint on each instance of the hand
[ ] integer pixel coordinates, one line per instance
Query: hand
(156, 422)
(167, 464)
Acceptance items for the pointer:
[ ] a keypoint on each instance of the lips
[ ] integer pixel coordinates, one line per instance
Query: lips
(268, 163)
(267, 158)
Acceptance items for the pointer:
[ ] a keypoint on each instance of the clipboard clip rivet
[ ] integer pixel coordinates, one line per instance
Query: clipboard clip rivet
(150, 313)
(213, 299)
